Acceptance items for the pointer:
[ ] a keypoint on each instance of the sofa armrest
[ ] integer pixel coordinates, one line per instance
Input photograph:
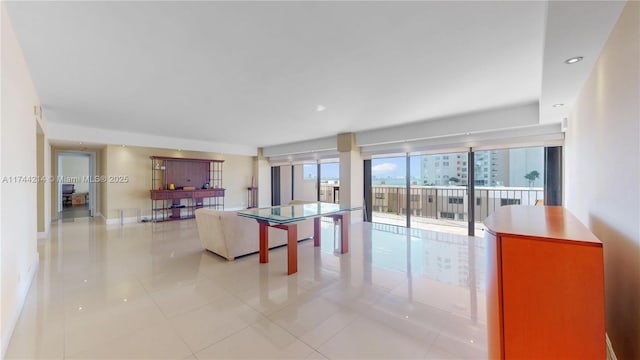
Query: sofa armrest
(211, 232)
(229, 235)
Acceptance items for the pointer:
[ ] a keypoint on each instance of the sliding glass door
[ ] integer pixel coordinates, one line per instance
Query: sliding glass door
(330, 182)
(389, 190)
(455, 192)
(507, 177)
(305, 179)
(438, 196)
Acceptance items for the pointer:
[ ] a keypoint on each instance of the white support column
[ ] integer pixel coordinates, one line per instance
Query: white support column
(351, 175)
(262, 179)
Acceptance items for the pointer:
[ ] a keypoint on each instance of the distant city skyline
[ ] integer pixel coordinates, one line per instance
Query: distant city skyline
(329, 171)
(505, 167)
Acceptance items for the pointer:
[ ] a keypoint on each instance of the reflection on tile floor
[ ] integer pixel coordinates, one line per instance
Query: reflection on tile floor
(149, 291)
(459, 227)
(75, 211)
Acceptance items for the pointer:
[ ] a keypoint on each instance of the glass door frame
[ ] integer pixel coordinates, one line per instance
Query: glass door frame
(552, 184)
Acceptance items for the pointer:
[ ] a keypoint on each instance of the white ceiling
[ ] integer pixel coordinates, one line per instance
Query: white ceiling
(253, 73)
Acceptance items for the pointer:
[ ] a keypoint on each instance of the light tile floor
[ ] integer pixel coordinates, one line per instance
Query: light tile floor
(149, 291)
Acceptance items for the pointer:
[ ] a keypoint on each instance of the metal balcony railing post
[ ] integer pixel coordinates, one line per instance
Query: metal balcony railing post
(436, 199)
(487, 213)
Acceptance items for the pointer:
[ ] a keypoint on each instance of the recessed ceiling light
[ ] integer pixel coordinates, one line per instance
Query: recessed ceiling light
(321, 108)
(573, 60)
(558, 105)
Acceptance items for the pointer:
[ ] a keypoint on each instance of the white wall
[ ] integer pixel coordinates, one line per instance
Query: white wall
(76, 167)
(48, 197)
(134, 163)
(74, 134)
(262, 173)
(602, 183)
(483, 122)
(44, 188)
(18, 210)
(352, 182)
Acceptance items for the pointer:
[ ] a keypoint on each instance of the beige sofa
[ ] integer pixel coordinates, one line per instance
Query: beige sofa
(229, 235)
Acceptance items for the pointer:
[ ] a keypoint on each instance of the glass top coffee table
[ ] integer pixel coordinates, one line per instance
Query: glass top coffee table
(285, 218)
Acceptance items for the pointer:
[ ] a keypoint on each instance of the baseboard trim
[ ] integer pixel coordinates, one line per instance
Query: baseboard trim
(22, 297)
(126, 220)
(610, 354)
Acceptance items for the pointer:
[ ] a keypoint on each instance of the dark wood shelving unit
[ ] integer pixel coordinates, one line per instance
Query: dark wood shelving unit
(182, 185)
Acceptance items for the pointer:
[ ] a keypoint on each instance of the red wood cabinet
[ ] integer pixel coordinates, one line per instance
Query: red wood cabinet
(545, 285)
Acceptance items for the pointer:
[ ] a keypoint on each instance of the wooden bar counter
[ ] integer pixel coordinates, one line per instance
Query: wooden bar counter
(545, 285)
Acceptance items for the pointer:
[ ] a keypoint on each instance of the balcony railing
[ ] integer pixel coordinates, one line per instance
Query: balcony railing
(329, 193)
(450, 202)
(442, 202)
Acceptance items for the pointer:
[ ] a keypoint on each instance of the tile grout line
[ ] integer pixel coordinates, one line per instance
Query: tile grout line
(165, 315)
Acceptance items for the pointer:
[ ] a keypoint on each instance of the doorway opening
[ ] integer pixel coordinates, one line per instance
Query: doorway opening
(76, 190)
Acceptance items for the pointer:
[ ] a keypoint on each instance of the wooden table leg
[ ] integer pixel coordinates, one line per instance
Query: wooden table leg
(292, 246)
(264, 242)
(316, 231)
(292, 239)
